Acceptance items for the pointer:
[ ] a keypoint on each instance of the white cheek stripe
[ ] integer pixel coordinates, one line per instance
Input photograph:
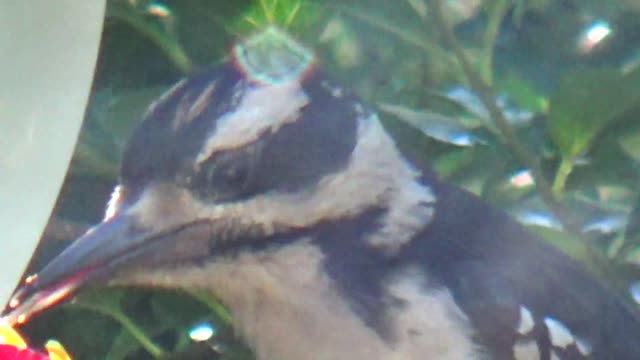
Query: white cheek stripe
(409, 202)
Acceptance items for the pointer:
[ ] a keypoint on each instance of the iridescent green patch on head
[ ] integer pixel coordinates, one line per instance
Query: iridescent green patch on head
(272, 56)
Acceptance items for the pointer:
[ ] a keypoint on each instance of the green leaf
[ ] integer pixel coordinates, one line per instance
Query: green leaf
(631, 247)
(630, 144)
(573, 247)
(585, 103)
(523, 92)
(437, 126)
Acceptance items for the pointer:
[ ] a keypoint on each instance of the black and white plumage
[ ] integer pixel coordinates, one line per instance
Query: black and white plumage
(285, 197)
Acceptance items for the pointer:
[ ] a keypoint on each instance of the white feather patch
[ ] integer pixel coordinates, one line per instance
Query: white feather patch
(584, 347)
(410, 203)
(428, 322)
(558, 333)
(526, 350)
(526, 321)
(262, 108)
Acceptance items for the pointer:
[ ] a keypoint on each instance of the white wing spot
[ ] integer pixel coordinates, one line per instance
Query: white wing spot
(526, 321)
(584, 347)
(559, 334)
(526, 350)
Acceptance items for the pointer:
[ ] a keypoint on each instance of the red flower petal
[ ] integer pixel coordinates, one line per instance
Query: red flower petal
(9, 352)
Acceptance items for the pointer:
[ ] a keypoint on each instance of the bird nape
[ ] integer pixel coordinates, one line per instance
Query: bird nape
(266, 184)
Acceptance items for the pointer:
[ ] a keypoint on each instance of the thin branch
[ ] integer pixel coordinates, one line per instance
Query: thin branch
(496, 14)
(509, 136)
(562, 175)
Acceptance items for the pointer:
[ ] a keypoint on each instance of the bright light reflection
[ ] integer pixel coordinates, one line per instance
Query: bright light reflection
(607, 225)
(521, 179)
(159, 10)
(538, 219)
(462, 139)
(598, 31)
(202, 332)
(634, 289)
(593, 35)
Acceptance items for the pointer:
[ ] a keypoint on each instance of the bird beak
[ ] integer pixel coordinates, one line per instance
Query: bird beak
(87, 258)
(113, 246)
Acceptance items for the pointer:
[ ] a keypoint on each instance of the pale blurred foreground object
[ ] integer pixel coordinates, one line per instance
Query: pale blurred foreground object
(48, 64)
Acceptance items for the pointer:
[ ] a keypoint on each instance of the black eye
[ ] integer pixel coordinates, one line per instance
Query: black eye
(224, 177)
(228, 172)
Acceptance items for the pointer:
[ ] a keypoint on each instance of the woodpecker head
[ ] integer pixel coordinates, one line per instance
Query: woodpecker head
(238, 158)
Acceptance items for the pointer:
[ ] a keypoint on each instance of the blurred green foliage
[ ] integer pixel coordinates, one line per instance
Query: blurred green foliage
(550, 86)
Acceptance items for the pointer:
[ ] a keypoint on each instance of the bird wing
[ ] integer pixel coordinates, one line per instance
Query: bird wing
(521, 295)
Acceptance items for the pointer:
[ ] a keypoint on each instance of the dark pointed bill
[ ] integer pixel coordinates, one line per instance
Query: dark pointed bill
(89, 257)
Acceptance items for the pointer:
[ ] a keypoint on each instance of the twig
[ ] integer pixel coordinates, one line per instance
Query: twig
(496, 14)
(508, 134)
(562, 175)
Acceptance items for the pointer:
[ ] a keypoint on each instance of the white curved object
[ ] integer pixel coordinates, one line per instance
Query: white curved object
(48, 51)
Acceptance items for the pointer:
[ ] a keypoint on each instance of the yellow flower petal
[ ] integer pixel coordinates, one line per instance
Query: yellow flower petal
(56, 351)
(11, 337)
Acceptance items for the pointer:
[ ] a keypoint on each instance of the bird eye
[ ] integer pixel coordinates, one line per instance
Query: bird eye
(230, 174)
(224, 177)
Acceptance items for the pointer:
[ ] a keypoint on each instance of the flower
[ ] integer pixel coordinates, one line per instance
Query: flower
(10, 352)
(14, 347)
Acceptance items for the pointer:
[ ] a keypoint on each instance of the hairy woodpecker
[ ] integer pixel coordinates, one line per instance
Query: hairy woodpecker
(282, 194)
